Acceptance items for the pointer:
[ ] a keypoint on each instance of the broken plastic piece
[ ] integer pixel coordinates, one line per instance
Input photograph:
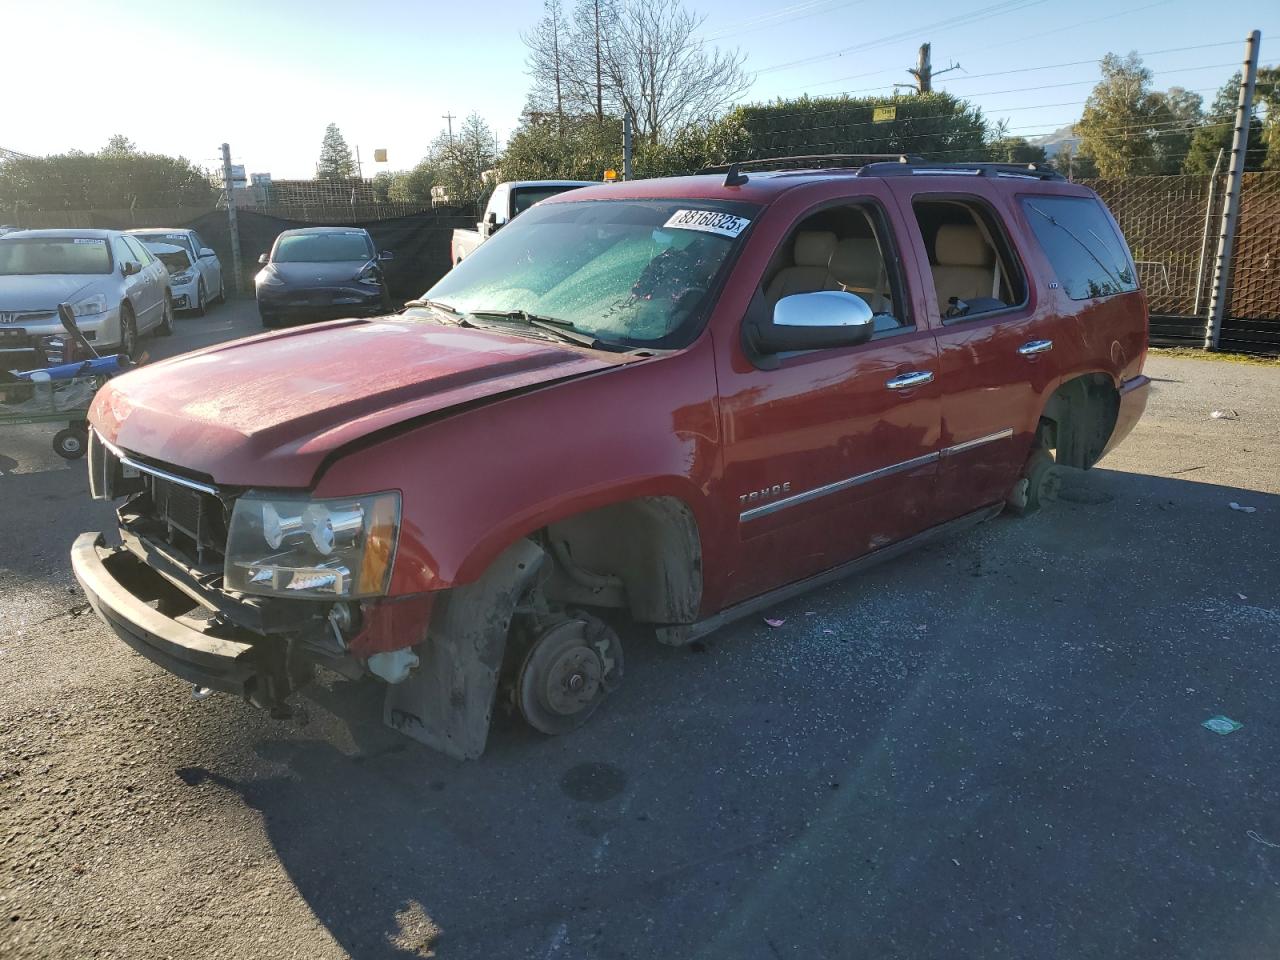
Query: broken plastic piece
(1221, 725)
(200, 693)
(1225, 415)
(1235, 506)
(774, 623)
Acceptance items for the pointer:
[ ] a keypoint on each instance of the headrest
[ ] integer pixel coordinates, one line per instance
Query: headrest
(961, 245)
(814, 248)
(856, 261)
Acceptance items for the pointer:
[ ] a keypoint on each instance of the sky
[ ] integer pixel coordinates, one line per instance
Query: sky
(267, 76)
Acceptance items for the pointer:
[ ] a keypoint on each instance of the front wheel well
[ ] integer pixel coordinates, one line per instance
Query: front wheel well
(1078, 420)
(642, 555)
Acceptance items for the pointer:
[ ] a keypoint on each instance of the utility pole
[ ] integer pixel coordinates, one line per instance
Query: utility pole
(359, 165)
(1231, 208)
(231, 217)
(923, 70)
(449, 117)
(626, 146)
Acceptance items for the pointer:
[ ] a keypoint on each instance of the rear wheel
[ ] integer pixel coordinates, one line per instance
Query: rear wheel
(201, 304)
(567, 671)
(1038, 485)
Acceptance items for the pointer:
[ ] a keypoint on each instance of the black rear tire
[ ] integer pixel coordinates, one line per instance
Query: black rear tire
(166, 319)
(1038, 485)
(202, 305)
(128, 332)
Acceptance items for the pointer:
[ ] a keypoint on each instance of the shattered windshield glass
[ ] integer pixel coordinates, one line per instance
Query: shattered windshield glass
(629, 271)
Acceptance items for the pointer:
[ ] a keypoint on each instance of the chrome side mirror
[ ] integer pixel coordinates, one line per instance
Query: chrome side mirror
(815, 321)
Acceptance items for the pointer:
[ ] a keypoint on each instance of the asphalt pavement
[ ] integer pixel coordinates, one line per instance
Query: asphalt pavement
(992, 747)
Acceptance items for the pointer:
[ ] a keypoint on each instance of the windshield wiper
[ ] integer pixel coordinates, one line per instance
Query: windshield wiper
(554, 325)
(452, 311)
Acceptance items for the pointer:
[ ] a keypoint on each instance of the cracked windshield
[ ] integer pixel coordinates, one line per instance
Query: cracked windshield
(633, 271)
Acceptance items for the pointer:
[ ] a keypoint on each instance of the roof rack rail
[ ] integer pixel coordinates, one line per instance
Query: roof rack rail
(922, 168)
(813, 160)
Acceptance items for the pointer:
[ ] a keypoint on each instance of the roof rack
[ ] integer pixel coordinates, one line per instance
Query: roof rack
(812, 161)
(922, 168)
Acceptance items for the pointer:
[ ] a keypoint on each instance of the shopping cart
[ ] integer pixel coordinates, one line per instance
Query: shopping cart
(62, 391)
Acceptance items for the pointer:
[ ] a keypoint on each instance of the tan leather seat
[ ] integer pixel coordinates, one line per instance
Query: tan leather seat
(965, 264)
(858, 267)
(812, 254)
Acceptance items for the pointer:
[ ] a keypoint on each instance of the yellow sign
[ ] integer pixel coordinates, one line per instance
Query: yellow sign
(884, 114)
(380, 155)
(610, 176)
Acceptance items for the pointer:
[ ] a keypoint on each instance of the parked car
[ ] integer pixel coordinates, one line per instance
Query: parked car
(320, 273)
(680, 401)
(508, 201)
(117, 289)
(202, 283)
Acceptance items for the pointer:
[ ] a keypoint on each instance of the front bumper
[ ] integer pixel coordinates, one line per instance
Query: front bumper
(184, 295)
(330, 303)
(101, 330)
(121, 591)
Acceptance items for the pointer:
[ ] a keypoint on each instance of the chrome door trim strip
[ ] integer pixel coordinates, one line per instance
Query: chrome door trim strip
(767, 508)
(154, 471)
(955, 448)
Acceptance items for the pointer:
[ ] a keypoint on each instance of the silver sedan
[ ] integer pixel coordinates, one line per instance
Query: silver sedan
(117, 289)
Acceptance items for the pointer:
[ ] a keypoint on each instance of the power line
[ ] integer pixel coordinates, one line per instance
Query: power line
(778, 17)
(973, 16)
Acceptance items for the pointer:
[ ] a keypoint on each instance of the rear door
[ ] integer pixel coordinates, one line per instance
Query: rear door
(209, 267)
(830, 454)
(153, 281)
(996, 333)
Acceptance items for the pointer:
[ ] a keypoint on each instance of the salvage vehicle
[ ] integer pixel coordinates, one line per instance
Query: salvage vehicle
(202, 283)
(115, 287)
(508, 201)
(675, 401)
(319, 273)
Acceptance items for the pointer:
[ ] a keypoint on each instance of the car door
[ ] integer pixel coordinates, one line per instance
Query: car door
(995, 357)
(209, 267)
(152, 282)
(829, 454)
(134, 286)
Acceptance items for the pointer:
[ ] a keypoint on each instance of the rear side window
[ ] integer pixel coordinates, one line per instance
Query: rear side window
(1087, 252)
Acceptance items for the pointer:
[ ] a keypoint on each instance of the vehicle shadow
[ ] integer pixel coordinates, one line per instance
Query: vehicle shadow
(992, 746)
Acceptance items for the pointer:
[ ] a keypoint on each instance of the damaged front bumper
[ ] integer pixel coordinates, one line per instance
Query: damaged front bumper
(182, 630)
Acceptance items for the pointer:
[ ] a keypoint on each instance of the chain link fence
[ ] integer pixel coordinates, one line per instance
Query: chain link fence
(1164, 219)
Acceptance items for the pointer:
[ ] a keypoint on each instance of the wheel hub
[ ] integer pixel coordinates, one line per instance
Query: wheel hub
(567, 672)
(572, 681)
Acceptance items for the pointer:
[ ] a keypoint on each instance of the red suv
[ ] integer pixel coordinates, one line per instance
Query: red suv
(677, 400)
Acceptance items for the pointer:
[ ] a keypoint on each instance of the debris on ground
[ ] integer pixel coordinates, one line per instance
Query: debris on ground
(774, 623)
(1221, 725)
(1253, 835)
(1225, 415)
(1235, 506)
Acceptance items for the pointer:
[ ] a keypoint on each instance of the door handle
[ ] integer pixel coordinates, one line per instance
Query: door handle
(1032, 347)
(915, 378)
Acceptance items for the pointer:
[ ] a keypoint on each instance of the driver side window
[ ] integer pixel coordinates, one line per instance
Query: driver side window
(842, 248)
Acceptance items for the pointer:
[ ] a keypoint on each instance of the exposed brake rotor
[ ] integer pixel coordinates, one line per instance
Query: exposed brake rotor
(567, 672)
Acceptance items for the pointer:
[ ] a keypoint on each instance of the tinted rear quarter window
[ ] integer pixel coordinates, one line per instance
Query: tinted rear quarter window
(1086, 251)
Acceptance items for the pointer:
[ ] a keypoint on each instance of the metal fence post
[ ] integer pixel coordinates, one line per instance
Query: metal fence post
(231, 217)
(1204, 239)
(1231, 209)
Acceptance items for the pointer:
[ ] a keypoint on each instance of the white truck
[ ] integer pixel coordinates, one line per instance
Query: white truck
(508, 201)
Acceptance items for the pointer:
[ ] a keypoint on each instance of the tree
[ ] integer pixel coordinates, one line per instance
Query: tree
(117, 177)
(1122, 119)
(1006, 149)
(577, 148)
(336, 162)
(1182, 112)
(1219, 126)
(464, 163)
(661, 72)
(547, 60)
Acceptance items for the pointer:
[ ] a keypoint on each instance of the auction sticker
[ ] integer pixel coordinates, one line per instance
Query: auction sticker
(87, 240)
(708, 221)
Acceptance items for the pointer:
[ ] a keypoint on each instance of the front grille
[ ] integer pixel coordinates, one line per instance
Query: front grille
(193, 521)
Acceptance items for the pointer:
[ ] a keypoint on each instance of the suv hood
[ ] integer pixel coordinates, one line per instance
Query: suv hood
(43, 291)
(268, 410)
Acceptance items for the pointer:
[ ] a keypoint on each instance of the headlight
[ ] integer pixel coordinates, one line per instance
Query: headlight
(268, 278)
(181, 278)
(295, 547)
(87, 308)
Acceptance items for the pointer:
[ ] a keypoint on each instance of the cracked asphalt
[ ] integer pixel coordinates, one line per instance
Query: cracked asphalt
(989, 748)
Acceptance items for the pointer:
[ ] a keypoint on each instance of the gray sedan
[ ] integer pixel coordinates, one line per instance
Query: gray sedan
(117, 289)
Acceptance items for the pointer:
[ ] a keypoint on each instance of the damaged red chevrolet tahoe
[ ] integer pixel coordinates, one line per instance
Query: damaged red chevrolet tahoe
(673, 400)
